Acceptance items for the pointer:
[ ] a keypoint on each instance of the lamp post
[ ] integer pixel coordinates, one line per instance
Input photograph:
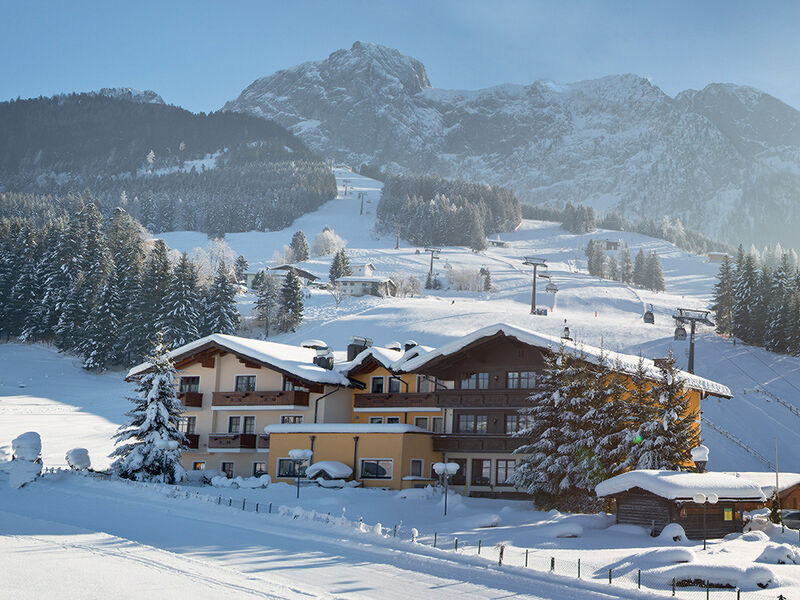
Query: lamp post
(445, 471)
(298, 458)
(700, 457)
(705, 500)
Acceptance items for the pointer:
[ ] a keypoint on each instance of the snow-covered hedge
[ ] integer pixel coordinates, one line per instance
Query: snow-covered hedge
(26, 463)
(241, 482)
(27, 446)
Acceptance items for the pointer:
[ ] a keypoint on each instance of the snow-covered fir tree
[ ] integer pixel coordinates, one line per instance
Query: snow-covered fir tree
(654, 273)
(640, 270)
(745, 282)
(776, 337)
(626, 265)
(267, 303)
(99, 347)
(149, 304)
(221, 313)
(291, 302)
(724, 297)
(640, 410)
(240, 267)
(182, 319)
(612, 269)
(299, 247)
(142, 451)
(340, 266)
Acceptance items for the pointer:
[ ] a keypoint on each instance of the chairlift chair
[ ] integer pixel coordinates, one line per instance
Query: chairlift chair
(551, 288)
(648, 316)
(680, 333)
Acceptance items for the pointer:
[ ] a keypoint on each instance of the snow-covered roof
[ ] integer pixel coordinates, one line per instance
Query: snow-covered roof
(390, 359)
(356, 278)
(677, 485)
(766, 480)
(627, 362)
(343, 428)
(294, 360)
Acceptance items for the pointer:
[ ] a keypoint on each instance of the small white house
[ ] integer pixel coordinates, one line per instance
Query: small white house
(362, 269)
(354, 285)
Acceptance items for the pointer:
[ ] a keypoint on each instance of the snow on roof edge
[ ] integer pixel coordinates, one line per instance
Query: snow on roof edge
(343, 428)
(679, 485)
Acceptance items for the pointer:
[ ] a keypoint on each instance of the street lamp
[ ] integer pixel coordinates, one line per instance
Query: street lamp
(298, 458)
(700, 457)
(445, 471)
(705, 500)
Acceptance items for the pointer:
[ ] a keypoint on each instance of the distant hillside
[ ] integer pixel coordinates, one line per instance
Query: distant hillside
(725, 159)
(171, 168)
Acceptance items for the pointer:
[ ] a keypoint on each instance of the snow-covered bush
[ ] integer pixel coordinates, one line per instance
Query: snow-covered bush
(222, 481)
(568, 529)
(27, 446)
(732, 576)
(781, 554)
(203, 476)
(665, 555)
(329, 469)
(468, 280)
(327, 242)
(673, 533)
(78, 459)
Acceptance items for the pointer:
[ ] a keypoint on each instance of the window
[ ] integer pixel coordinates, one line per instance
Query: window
(505, 468)
(475, 381)
(289, 386)
(286, 468)
(394, 385)
(460, 478)
(393, 420)
(376, 385)
(376, 468)
(437, 424)
(426, 384)
(520, 380)
(199, 465)
(233, 424)
(259, 469)
(188, 425)
(481, 471)
(227, 468)
(421, 422)
(245, 383)
(516, 423)
(190, 384)
(291, 419)
(472, 423)
(375, 420)
(417, 465)
(249, 425)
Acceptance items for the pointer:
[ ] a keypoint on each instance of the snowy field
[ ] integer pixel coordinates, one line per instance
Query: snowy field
(93, 538)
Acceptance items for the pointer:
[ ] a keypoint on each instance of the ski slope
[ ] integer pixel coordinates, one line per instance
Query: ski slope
(740, 432)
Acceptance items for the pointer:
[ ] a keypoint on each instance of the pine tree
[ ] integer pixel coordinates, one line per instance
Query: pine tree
(99, 346)
(640, 270)
(626, 266)
(291, 307)
(340, 266)
(640, 412)
(149, 313)
(761, 307)
(724, 297)
(487, 279)
(222, 315)
(654, 273)
(476, 234)
(240, 267)
(613, 269)
(71, 327)
(779, 311)
(181, 324)
(669, 439)
(744, 297)
(142, 451)
(299, 247)
(267, 302)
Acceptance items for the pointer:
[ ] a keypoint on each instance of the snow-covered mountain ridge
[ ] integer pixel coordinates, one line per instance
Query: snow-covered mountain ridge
(724, 159)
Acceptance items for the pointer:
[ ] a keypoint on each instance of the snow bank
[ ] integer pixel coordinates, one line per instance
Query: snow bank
(750, 536)
(336, 483)
(568, 529)
(627, 529)
(78, 459)
(21, 472)
(673, 533)
(203, 476)
(665, 555)
(780, 554)
(334, 469)
(693, 574)
(27, 446)
(241, 482)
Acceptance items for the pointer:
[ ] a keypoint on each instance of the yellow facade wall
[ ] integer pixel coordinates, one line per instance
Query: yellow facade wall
(408, 385)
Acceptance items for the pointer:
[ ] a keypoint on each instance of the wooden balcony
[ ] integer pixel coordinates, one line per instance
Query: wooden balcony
(410, 399)
(233, 400)
(232, 441)
(193, 441)
(262, 443)
(475, 442)
(191, 399)
(483, 398)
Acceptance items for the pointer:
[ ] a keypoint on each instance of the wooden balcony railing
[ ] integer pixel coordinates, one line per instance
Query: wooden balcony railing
(192, 440)
(481, 398)
(262, 443)
(410, 399)
(276, 398)
(192, 399)
(476, 442)
(222, 441)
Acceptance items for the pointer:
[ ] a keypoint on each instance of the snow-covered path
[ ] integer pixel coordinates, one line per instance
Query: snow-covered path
(90, 541)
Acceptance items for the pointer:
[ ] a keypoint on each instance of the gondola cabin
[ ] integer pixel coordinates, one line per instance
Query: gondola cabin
(653, 499)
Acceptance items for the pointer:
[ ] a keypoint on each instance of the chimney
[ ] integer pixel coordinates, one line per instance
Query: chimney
(324, 358)
(357, 345)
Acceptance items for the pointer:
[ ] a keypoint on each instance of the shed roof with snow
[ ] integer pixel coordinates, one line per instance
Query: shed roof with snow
(614, 360)
(679, 485)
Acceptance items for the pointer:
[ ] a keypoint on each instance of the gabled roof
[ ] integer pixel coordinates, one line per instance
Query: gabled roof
(294, 361)
(391, 360)
(298, 271)
(677, 485)
(766, 480)
(627, 362)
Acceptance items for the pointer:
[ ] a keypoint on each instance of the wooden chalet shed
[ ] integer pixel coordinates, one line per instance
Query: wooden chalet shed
(653, 499)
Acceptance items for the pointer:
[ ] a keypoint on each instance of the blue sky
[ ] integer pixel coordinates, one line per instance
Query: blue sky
(199, 54)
